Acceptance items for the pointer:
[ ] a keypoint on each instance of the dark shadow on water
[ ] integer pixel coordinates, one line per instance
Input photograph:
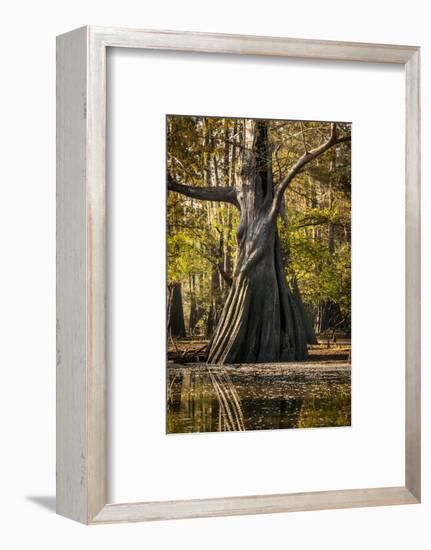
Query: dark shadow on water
(44, 501)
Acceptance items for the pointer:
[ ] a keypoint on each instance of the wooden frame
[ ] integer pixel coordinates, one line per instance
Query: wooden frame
(81, 277)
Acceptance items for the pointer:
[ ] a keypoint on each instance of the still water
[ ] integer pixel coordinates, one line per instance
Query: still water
(203, 398)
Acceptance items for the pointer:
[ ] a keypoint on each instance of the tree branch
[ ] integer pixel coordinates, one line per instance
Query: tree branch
(216, 194)
(301, 163)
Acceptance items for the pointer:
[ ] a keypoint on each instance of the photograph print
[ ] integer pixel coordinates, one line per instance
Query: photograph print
(258, 274)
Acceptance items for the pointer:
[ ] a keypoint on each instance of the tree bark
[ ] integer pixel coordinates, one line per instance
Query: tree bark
(305, 315)
(176, 325)
(260, 321)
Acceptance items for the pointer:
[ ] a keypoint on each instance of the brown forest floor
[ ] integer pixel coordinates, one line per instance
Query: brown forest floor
(190, 350)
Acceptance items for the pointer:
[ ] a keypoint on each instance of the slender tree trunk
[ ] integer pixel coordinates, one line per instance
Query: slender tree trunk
(215, 302)
(194, 313)
(331, 243)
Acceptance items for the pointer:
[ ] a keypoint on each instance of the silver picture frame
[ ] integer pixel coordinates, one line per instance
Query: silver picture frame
(82, 475)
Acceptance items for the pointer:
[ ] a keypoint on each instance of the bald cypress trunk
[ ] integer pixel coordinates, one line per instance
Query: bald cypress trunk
(260, 321)
(176, 325)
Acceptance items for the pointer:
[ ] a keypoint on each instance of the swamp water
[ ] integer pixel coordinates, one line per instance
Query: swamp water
(204, 398)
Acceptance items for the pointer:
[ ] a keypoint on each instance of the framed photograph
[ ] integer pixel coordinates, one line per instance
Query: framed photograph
(238, 275)
(261, 273)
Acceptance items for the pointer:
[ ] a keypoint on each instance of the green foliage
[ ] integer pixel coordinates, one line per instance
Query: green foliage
(314, 233)
(321, 276)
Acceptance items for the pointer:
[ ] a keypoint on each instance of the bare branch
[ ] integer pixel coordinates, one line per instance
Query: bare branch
(184, 168)
(216, 194)
(301, 163)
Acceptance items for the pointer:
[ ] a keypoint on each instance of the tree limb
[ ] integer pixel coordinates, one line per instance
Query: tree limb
(301, 163)
(216, 194)
(316, 223)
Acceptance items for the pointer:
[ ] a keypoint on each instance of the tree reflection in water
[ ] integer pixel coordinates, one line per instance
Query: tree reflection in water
(205, 398)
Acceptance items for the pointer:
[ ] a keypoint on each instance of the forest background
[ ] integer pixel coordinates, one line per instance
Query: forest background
(314, 224)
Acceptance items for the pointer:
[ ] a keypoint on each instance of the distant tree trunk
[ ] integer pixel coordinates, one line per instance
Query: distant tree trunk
(193, 318)
(176, 326)
(194, 309)
(330, 313)
(329, 317)
(331, 241)
(215, 305)
(228, 249)
(210, 323)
